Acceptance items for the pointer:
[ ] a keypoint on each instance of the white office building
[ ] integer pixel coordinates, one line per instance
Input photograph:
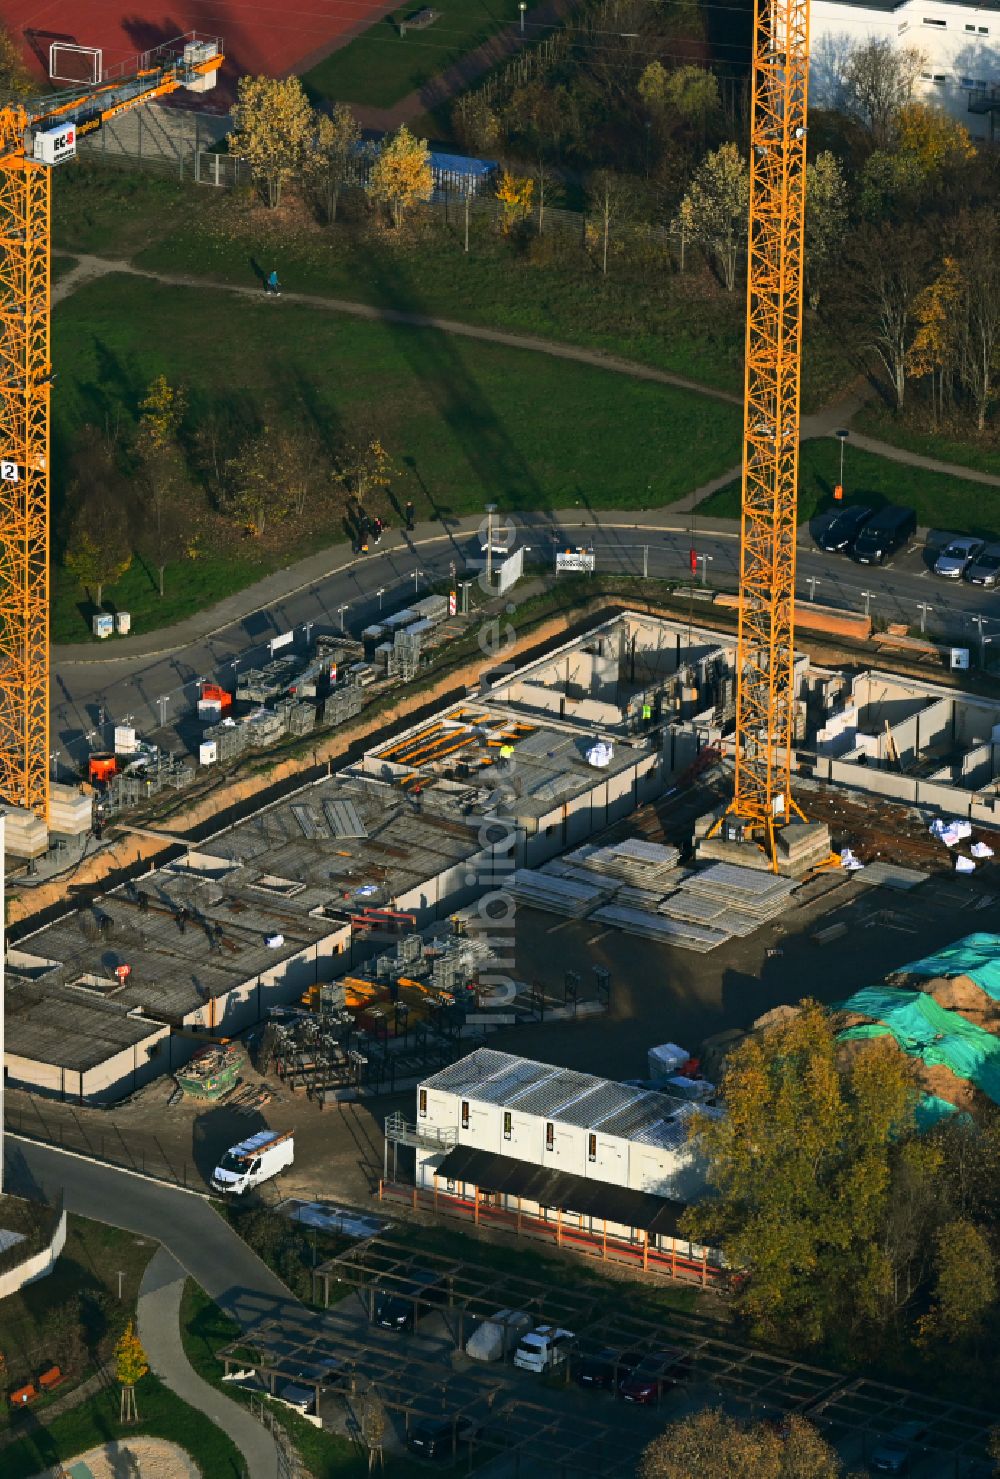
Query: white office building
(589, 1156)
(958, 42)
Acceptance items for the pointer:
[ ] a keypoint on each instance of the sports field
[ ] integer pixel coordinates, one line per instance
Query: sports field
(262, 36)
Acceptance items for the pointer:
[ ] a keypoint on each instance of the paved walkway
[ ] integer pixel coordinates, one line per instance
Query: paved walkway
(159, 1331)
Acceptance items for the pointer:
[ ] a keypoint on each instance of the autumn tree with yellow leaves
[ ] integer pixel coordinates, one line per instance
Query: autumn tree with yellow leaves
(514, 195)
(715, 210)
(274, 128)
(401, 175)
(130, 1367)
(934, 350)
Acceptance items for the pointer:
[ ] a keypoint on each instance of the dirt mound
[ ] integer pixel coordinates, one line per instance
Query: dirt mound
(962, 995)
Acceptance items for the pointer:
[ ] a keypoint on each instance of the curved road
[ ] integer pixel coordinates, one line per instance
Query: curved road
(93, 687)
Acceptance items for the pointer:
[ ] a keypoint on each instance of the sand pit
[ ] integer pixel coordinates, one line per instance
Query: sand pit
(143, 1458)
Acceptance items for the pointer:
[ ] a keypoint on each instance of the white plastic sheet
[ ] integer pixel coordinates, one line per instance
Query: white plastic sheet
(964, 865)
(950, 833)
(599, 755)
(981, 850)
(849, 861)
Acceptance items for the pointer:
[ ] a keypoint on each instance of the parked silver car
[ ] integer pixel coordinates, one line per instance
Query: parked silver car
(985, 568)
(957, 556)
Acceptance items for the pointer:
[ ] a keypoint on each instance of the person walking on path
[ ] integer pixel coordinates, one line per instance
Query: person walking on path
(272, 285)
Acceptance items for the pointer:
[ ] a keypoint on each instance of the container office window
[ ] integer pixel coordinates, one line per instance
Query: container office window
(591, 1147)
(422, 1102)
(465, 1114)
(930, 21)
(550, 1135)
(508, 1125)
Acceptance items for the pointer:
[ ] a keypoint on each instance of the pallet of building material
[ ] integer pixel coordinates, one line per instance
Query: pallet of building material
(890, 875)
(687, 935)
(632, 897)
(746, 889)
(560, 868)
(554, 894)
(698, 908)
(644, 864)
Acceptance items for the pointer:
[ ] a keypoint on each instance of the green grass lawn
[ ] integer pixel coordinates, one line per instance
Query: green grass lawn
(971, 450)
(380, 67)
(161, 1415)
(467, 423)
(641, 311)
(941, 502)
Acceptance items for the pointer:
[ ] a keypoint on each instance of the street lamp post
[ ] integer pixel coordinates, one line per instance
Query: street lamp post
(522, 7)
(868, 598)
(161, 704)
(812, 581)
(983, 644)
(340, 613)
(645, 561)
(416, 580)
(703, 561)
(380, 593)
(54, 760)
(923, 607)
(465, 584)
(307, 627)
(491, 509)
(838, 492)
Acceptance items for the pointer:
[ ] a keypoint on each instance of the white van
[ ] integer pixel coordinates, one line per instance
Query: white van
(496, 1337)
(544, 1348)
(253, 1161)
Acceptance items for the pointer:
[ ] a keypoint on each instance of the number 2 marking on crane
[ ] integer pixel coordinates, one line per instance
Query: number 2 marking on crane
(9, 472)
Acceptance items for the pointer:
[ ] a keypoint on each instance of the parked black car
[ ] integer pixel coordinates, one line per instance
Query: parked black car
(605, 1370)
(839, 535)
(440, 1437)
(886, 532)
(400, 1309)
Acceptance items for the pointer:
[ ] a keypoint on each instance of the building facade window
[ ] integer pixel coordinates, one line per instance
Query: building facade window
(465, 1114)
(930, 21)
(591, 1147)
(508, 1125)
(422, 1102)
(550, 1135)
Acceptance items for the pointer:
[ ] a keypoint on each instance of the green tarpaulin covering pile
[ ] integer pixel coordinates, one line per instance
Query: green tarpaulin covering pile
(927, 1031)
(976, 956)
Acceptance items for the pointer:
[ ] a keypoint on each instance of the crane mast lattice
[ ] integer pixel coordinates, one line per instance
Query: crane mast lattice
(762, 798)
(26, 376)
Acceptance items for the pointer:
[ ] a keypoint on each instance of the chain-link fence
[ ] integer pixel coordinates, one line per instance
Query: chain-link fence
(184, 146)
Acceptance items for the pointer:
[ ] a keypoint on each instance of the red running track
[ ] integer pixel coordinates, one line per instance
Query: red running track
(259, 35)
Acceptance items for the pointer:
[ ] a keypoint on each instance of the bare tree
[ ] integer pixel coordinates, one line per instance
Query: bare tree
(978, 325)
(887, 271)
(878, 81)
(610, 196)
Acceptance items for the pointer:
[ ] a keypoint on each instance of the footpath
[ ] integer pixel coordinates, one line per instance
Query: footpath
(335, 559)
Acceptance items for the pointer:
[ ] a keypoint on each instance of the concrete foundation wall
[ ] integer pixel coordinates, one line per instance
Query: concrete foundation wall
(974, 721)
(934, 726)
(37, 1266)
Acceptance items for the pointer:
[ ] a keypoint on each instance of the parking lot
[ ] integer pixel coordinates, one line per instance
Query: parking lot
(523, 1423)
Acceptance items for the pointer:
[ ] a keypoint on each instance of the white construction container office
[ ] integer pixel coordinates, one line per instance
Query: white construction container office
(566, 1141)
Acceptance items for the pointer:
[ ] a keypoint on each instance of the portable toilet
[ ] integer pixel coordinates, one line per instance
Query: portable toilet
(103, 625)
(123, 623)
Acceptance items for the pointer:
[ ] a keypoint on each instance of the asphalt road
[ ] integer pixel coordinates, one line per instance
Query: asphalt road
(159, 692)
(201, 1241)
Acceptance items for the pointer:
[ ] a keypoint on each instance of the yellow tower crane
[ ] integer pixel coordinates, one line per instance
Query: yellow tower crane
(33, 138)
(762, 800)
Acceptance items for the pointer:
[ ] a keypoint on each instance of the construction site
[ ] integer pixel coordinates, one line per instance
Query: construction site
(405, 906)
